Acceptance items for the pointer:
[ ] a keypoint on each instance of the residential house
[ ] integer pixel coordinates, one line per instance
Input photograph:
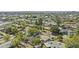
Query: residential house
(54, 44)
(48, 22)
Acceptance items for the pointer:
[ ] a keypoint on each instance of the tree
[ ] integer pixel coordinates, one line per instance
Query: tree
(15, 42)
(19, 37)
(36, 22)
(36, 41)
(31, 31)
(57, 20)
(60, 38)
(23, 24)
(34, 16)
(72, 42)
(55, 30)
(77, 31)
(12, 28)
(39, 21)
(5, 36)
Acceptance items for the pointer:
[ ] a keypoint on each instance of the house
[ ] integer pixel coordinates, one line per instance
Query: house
(1, 37)
(64, 31)
(70, 32)
(37, 46)
(46, 28)
(48, 44)
(6, 45)
(54, 44)
(48, 21)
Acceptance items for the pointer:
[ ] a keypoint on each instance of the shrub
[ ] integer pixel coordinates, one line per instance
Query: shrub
(60, 38)
(72, 42)
(31, 31)
(19, 37)
(7, 37)
(36, 41)
(55, 30)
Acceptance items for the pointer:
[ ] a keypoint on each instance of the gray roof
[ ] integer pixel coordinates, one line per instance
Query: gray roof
(54, 44)
(6, 45)
(37, 46)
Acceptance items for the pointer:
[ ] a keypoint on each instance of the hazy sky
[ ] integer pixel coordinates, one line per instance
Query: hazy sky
(39, 5)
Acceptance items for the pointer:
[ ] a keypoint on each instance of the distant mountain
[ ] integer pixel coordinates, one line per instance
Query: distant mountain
(3, 13)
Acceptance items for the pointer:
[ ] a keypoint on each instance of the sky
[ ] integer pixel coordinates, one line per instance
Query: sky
(39, 5)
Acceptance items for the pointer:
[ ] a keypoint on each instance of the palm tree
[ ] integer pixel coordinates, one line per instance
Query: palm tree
(5, 36)
(16, 41)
